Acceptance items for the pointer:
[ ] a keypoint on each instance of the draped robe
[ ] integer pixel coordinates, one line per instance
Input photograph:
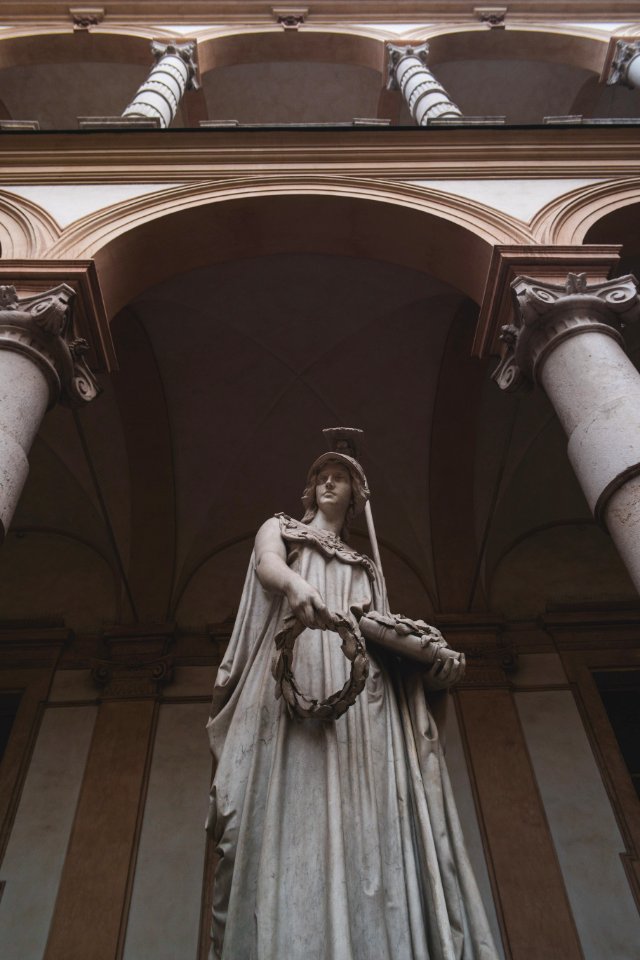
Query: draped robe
(337, 840)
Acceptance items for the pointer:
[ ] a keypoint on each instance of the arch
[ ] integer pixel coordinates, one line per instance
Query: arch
(26, 230)
(139, 242)
(570, 561)
(272, 43)
(579, 48)
(22, 47)
(571, 217)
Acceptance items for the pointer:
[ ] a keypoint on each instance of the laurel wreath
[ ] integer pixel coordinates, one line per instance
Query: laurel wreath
(301, 706)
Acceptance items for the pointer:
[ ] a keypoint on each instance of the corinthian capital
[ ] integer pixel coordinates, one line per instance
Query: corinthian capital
(41, 328)
(187, 53)
(625, 52)
(544, 314)
(397, 52)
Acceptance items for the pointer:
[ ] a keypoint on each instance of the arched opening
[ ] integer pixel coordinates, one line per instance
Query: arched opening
(56, 77)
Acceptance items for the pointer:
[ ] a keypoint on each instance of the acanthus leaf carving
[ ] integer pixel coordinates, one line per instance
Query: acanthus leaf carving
(625, 52)
(41, 327)
(546, 313)
(187, 53)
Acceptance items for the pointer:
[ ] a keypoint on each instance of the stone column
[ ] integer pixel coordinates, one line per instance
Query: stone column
(625, 67)
(40, 362)
(567, 339)
(174, 72)
(425, 96)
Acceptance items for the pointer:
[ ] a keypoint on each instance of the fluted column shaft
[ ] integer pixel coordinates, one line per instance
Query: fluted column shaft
(40, 361)
(160, 95)
(424, 94)
(567, 339)
(625, 67)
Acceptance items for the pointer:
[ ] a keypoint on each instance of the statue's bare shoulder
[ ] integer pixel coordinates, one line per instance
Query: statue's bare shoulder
(269, 539)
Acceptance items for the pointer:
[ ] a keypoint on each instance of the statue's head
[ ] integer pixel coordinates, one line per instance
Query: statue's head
(330, 467)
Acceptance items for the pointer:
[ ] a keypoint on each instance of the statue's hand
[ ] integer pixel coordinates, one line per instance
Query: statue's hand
(308, 606)
(444, 673)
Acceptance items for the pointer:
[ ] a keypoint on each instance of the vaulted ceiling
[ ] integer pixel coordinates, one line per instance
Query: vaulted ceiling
(144, 504)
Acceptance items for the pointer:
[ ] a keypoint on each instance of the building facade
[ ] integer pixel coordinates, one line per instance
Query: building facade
(224, 227)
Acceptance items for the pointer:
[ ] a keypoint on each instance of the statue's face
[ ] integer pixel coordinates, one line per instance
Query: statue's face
(333, 489)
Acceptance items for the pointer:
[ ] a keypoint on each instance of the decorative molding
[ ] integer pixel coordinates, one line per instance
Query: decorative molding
(41, 327)
(90, 233)
(547, 313)
(29, 646)
(568, 219)
(549, 264)
(404, 154)
(90, 318)
(26, 230)
(366, 11)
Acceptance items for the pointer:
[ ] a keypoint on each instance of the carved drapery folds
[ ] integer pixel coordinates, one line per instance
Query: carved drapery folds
(625, 66)
(41, 328)
(425, 96)
(174, 72)
(546, 313)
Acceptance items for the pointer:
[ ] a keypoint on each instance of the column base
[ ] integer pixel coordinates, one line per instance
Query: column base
(19, 125)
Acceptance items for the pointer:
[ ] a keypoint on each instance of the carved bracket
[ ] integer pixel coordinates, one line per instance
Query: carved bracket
(186, 51)
(41, 328)
(86, 17)
(137, 665)
(397, 52)
(290, 18)
(547, 313)
(136, 678)
(493, 17)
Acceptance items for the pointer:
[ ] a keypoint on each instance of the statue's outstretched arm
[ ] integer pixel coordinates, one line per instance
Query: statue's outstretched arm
(275, 576)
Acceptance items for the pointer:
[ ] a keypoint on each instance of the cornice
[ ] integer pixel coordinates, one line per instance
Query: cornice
(400, 11)
(183, 156)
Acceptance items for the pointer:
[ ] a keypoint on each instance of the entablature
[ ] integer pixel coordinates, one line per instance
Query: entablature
(181, 156)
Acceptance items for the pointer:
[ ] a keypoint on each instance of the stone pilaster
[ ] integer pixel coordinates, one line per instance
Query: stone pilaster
(567, 339)
(625, 66)
(93, 899)
(174, 72)
(425, 96)
(41, 361)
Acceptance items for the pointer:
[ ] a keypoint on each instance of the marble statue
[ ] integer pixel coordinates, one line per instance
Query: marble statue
(338, 839)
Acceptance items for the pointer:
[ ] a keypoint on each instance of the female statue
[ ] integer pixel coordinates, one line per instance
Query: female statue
(337, 839)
